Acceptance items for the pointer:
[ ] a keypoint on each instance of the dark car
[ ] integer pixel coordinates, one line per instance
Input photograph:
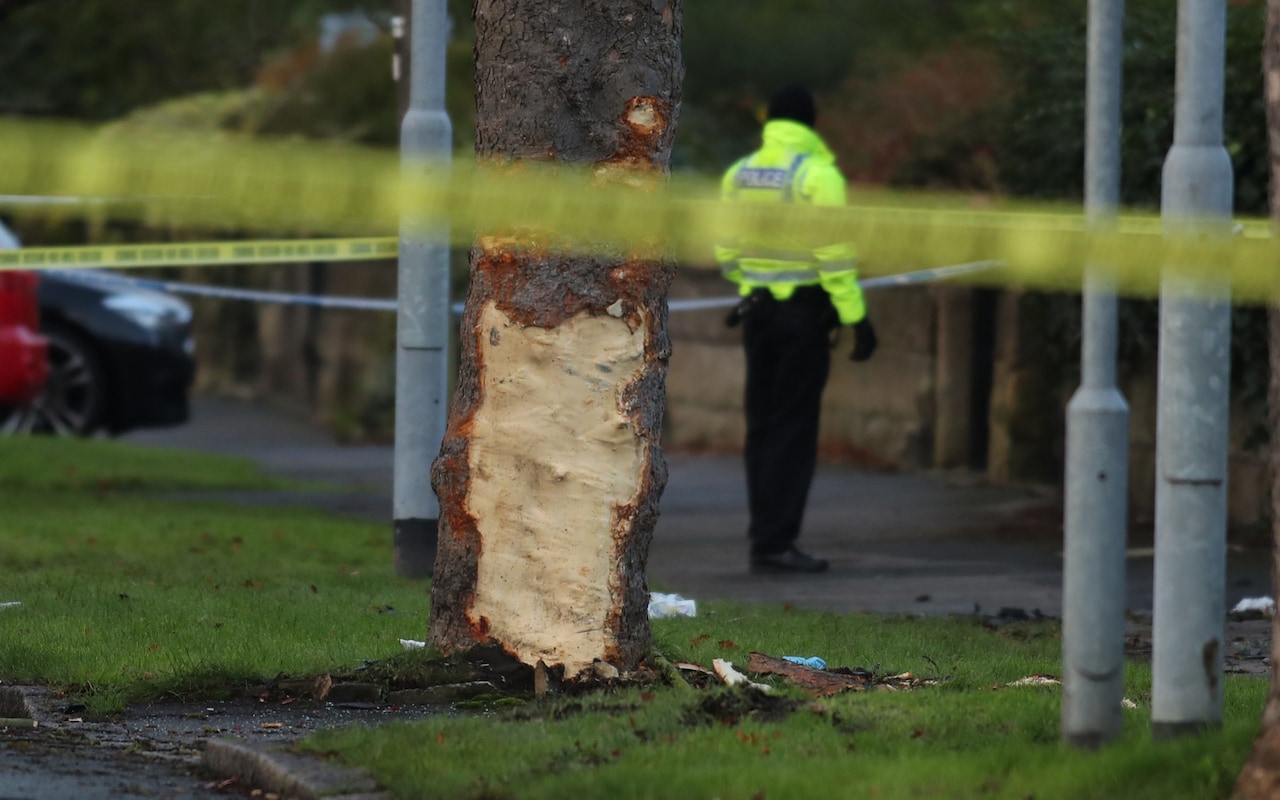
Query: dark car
(120, 358)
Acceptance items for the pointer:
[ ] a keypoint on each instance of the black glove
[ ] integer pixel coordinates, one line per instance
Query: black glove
(864, 344)
(734, 318)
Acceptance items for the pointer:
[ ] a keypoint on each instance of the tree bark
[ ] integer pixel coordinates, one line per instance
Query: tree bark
(551, 470)
(1260, 777)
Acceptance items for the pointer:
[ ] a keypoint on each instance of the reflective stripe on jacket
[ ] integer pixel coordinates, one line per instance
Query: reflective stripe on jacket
(794, 165)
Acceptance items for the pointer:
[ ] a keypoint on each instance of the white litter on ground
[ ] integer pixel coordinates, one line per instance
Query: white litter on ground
(1267, 605)
(660, 606)
(13, 604)
(1054, 680)
(734, 678)
(671, 605)
(1037, 680)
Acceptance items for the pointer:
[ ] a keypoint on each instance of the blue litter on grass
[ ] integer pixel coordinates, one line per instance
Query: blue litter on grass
(811, 661)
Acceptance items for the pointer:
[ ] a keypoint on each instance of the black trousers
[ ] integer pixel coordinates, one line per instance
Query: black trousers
(788, 353)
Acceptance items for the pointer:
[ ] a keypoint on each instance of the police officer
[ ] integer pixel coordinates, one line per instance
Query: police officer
(795, 294)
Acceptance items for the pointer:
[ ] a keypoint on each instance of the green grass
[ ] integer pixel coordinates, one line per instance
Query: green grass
(970, 736)
(127, 595)
(960, 649)
(95, 465)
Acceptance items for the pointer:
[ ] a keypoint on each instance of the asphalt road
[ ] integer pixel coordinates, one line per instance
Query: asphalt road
(899, 543)
(155, 751)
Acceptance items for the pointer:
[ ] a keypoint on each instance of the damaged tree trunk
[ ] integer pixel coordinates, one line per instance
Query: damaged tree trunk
(1260, 777)
(550, 471)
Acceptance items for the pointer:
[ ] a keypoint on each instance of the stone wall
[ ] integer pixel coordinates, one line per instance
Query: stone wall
(1248, 474)
(705, 378)
(884, 412)
(910, 407)
(337, 367)
(1029, 400)
(1029, 392)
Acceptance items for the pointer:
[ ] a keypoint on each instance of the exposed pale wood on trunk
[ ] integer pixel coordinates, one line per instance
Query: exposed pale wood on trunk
(551, 470)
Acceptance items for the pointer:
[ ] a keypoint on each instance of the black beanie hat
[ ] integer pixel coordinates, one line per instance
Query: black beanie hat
(794, 103)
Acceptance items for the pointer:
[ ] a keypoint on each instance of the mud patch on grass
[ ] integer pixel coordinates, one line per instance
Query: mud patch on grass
(559, 710)
(416, 670)
(731, 707)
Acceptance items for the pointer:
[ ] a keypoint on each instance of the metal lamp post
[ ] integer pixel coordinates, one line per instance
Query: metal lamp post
(422, 333)
(1194, 394)
(1097, 474)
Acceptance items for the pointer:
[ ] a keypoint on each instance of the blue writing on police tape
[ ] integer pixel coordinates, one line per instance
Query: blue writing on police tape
(64, 256)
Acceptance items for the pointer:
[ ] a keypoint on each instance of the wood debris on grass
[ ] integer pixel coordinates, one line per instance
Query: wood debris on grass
(827, 682)
(1054, 680)
(732, 677)
(685, 666)
(817, 682)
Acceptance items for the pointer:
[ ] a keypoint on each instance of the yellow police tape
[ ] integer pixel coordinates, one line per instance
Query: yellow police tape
(278, 251)
(234, 184)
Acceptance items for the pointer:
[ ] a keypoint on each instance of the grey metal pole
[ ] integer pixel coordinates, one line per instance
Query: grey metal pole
(1097, 479)
(1194, 394)
(422, 333)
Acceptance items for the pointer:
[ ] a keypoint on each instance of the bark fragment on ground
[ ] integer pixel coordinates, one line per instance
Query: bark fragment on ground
(827, 682)
(817, 682)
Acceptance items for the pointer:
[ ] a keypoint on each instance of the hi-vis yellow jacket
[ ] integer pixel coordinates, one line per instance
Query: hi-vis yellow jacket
(793, 166)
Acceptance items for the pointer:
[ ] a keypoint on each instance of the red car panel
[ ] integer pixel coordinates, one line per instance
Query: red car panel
(24, 364)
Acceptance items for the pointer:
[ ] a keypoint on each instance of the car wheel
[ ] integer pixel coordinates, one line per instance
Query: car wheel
(74, 398)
